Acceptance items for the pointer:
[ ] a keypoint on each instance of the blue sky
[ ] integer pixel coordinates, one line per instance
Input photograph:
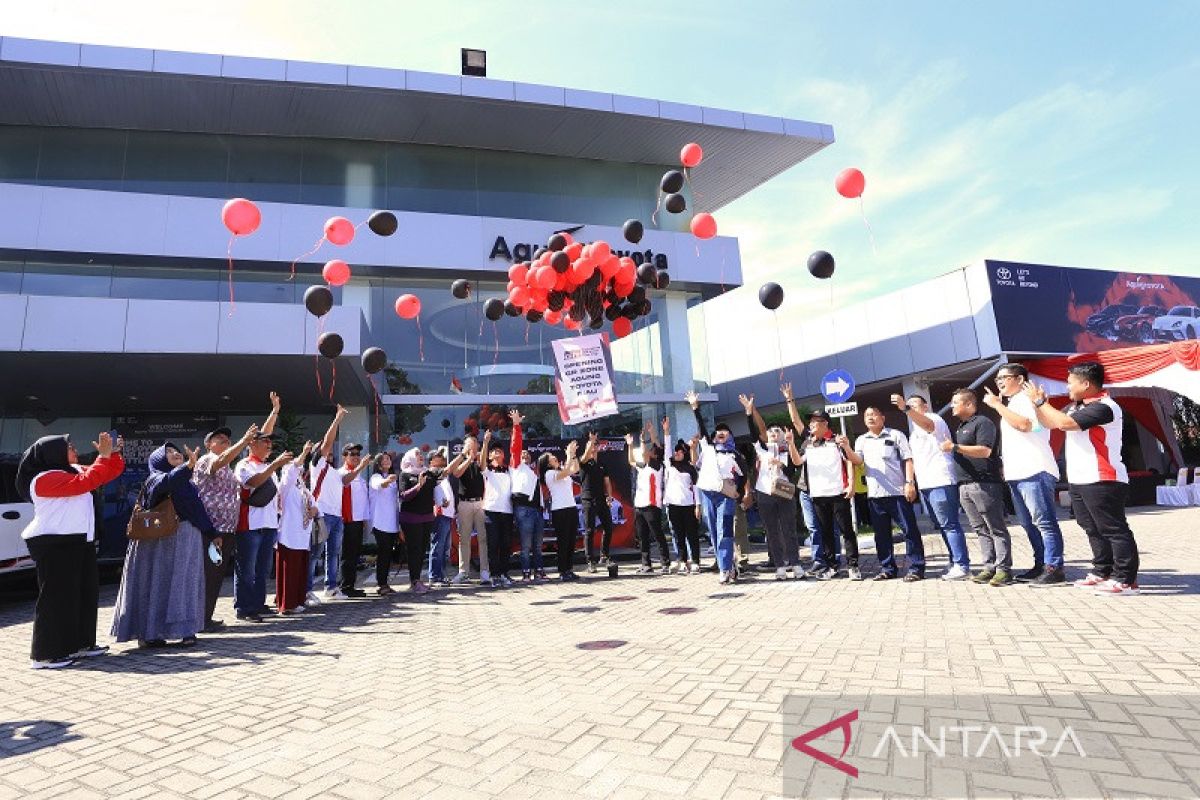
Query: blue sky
(1060, 133)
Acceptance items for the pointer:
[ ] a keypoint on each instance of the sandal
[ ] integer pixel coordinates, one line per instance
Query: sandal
(188, 641)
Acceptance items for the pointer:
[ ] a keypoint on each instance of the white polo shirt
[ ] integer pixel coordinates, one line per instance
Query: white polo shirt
(932, 467)
(497, 491)
(883, 456)
(258, 517)
(1025, 454)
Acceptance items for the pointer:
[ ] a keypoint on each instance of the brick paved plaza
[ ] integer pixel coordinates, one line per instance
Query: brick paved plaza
(474, 694)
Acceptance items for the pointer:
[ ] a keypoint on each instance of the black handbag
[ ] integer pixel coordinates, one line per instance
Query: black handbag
(262, 495)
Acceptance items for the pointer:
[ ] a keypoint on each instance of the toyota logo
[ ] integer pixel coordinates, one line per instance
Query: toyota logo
(1004, 273)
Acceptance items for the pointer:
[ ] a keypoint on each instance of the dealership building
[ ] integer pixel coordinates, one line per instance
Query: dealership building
(957, 330)
(123, 300)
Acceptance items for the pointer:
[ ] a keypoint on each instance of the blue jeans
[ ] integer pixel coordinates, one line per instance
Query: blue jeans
(252, 562)
(530, 527)
(1033, 499)
(718, 510)
(814, 533)
(942, 504)
(438, 546)
(333, 552)
(883, 511)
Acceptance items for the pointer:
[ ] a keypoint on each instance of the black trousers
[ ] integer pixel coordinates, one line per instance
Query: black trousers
(500, 535)
(686, 528)
(827, 510)
(416, 545)
(385, 543)
(565, 522)
(352, 539)
(64, 617)
(594, 510)
(1100, 510)
(647, 523)
(215, 574)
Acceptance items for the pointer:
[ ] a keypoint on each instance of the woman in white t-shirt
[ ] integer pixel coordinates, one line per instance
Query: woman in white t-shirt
(385, 519)
(564, 516)
(297, 509)
(648, 500)
(683, 506)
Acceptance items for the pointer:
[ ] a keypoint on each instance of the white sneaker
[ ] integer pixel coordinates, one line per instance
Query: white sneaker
(781, 574)
(694, 569)
(506, 581)
(461, 577)
(55, 664)
(800, 574)
(311, 599)
(300, 609)
(956, 573)
(485, 576)
(725, 577)
(1091, 581)
(334, 594)
(677, 568)
(855, 574)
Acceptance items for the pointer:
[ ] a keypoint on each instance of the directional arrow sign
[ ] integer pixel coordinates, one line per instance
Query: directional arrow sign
(837, 386)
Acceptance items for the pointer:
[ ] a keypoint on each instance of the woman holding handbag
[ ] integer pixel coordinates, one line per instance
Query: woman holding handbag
(61, 539)
(716, 481)
(775, 491)
(162, 583)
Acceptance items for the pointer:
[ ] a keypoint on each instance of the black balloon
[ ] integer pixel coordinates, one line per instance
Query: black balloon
(672, 181)
(512, 310)
(645, 307)
(675, 203)
(633, 230)
(664, 279)
(597, 323)
(771, 295)
(647, 274)
(820, 264)
(330, 345)
(383, 223)
(533, 315)
(538, 253)
(637, 295)
(554, 301)
(557, 242)
(577, 312)
(612, 312)
(630, 312)
(461, 288)
(373, 360)
(493, 309)
(561, 262)
(318, 300)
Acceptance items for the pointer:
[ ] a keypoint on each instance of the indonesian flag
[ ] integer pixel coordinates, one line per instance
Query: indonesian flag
(1174, 366)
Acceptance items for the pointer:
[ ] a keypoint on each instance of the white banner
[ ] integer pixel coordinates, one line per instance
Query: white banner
(583, 378)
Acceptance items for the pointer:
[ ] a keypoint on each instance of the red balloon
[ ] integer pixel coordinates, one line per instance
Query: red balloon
(336, 272)
(241, 216)
(408, 306)
(511, 285)
(691, 154)
(622, 327)
(704, 226)
(517, 272)
(574, 250)
(609, 267)
(601, 251)
(850, 183)
(570, 324)
(519, 296)
(545, 277)
(339, 230)
(582, 270)
(553, 317)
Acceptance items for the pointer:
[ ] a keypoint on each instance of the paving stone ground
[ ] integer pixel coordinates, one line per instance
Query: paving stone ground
(478, 694)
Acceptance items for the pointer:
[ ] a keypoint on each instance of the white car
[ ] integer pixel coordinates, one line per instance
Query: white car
(15, 514)
(1180, 322)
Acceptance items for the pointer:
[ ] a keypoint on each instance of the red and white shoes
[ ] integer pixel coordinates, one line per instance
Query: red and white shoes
(1116, 589)
(1091, 581)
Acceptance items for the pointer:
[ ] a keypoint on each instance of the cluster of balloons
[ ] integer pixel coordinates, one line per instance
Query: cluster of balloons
(575, 284)
(703, 226)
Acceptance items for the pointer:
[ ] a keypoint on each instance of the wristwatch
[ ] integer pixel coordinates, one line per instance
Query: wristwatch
(1040, 403)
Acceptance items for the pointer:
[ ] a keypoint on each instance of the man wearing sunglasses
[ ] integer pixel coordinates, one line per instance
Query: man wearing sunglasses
(1031, 473)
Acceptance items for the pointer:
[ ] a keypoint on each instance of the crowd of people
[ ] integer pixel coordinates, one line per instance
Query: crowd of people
(295, 511)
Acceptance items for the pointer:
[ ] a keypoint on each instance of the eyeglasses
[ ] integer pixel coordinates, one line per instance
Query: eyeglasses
(1005, 377)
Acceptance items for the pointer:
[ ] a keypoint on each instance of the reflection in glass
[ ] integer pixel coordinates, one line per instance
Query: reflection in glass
(67, 280)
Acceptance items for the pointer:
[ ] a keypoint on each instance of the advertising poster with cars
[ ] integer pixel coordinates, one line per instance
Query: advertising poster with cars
(1055, 310)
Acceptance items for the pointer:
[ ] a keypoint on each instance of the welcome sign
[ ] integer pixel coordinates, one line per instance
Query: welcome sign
(583, 379)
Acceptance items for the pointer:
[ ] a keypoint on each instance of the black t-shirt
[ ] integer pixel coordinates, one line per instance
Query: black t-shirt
(470, 483)
(978, 430)
(591, 480)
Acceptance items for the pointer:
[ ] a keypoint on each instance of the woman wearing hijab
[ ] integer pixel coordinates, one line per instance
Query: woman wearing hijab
(162, 583)
(718, 469)
(416, 513)
(385, 519)
(61, 539)
(683, 507)
(564, 516)
(297, 510)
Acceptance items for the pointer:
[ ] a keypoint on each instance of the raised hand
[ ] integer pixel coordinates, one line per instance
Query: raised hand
(516, 417)
(192, 455)
(251, 432)
(666, 426)
(342, 411)
(275, 401)
(103, 444)
(786, 391)
(1034, 392)
(692, 399)
(789, 435)
(898, 402)
(629, 439)
(285, 458)
(572, 446)
(990, 398)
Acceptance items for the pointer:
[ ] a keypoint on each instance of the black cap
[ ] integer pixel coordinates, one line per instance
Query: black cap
(347, 449)
(260, 436)
(226, 432)
(819, 414)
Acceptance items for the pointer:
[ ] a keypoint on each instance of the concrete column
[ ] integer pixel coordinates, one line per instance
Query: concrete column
(676, 359)
(915, 385)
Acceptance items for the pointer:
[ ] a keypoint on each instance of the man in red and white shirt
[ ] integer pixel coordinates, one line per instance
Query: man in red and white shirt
(257, 527)
(355, 510)
(1096, 475)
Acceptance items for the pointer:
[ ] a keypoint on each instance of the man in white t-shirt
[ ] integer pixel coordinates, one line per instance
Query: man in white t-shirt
(934, 469)
(258, 525)
(1031, 473)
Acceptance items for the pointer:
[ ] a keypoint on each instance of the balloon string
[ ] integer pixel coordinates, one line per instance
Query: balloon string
(527, 330)
(333, 381)
(657, 206)
(420, 340)
(317, 356)
(696, 197)
(863, 212)
(496, 335)
(314, 249)
(229, 256)
(778, 343)
(375, 389)
(466, 317)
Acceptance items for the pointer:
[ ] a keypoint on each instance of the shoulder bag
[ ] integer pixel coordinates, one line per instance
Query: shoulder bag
(155, 523)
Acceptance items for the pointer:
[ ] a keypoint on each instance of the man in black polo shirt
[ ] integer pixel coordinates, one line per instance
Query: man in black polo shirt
(469, 511)
(595, 493)
(980, 490)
